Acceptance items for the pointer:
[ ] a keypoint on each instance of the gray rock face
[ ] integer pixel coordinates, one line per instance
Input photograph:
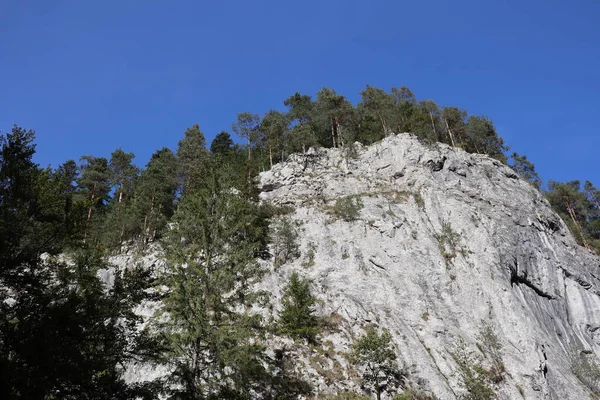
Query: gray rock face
(445, 240)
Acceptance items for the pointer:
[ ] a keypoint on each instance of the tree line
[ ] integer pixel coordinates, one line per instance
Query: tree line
(65, 334)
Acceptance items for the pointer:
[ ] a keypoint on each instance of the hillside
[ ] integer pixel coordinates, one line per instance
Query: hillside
(445, 240)
(445, 245)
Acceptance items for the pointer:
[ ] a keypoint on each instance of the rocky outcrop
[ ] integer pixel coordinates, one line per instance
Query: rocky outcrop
(445, 241)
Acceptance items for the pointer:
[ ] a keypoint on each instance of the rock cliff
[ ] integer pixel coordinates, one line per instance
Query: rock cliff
(445, 242)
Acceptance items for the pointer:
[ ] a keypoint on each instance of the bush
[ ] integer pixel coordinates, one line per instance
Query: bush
(489, 344)
(412, 394)
(448, 241)
(473, 377)
(348, 208)
(284, 237)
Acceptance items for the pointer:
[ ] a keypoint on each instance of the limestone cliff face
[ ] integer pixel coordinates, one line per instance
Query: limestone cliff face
(445, 240)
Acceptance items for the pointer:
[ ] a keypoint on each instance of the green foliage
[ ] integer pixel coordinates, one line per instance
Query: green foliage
(473, 377)
(297, 317)
(448, 241)
(347, 208)
(274, 125)
(525, 169)
(374, 354)
(192, 159)
(154, 196)
(412, 394)
(490, 346)
(586, 368)
(210, 269)
(419, 200)
(309, 259)
(284, 238)
(334, 114)
(483, 138)
(343, 396)
(380, 106)
(63, 333)
(221, 144)
(579, 209)
(122, 174)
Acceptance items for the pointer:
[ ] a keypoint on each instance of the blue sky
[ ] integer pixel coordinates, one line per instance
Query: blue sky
(92, 76)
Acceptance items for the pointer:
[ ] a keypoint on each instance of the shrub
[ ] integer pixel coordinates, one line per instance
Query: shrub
(284, 237)
(309, 259)
(412, 394)
(489, 344)
(448, 241)
(473, 377)
(347, 208)
(419, 200)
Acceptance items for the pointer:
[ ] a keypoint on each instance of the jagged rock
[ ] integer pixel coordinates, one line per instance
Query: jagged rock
(513, 263)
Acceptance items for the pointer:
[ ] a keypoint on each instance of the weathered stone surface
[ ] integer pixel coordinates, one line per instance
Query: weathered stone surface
(515, 265)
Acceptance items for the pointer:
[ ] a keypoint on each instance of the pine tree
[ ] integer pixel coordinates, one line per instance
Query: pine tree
(454, 122)
(334, 113)
(374, 353)
(192, 158)
(274, 126)
(297, 317)
(62, 333)
(211, 267)
(221, 144)
(381, 106)
(571, 205)
(94, 186)
(154, 196)
(482, 138)
(122, 174)
(247, 127)
(525, 169)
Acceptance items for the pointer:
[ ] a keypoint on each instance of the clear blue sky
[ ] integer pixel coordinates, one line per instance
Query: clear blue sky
(91, 76)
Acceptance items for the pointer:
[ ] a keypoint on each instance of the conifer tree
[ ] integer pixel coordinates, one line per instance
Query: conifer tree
(432, 114)
(381, 105)
(454, 122)
(297, 317)
(122, 174)
(210, 272)
(62, 334)
(525, 169)
(93, 186)
(334, 112)
(301, 112)
(274, 126)
(374, 353)
(192, 158)
(570, 203)
(482, 138)
(154, 196)
(247, 127)
(221, 144)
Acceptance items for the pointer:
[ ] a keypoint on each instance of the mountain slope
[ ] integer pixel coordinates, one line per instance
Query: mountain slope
(446, 241)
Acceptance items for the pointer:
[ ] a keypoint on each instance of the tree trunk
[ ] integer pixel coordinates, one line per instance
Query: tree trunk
(450, 133)
(271, 156)
(386, 131)
(432, 123)
(333, 133)
(572, 215)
